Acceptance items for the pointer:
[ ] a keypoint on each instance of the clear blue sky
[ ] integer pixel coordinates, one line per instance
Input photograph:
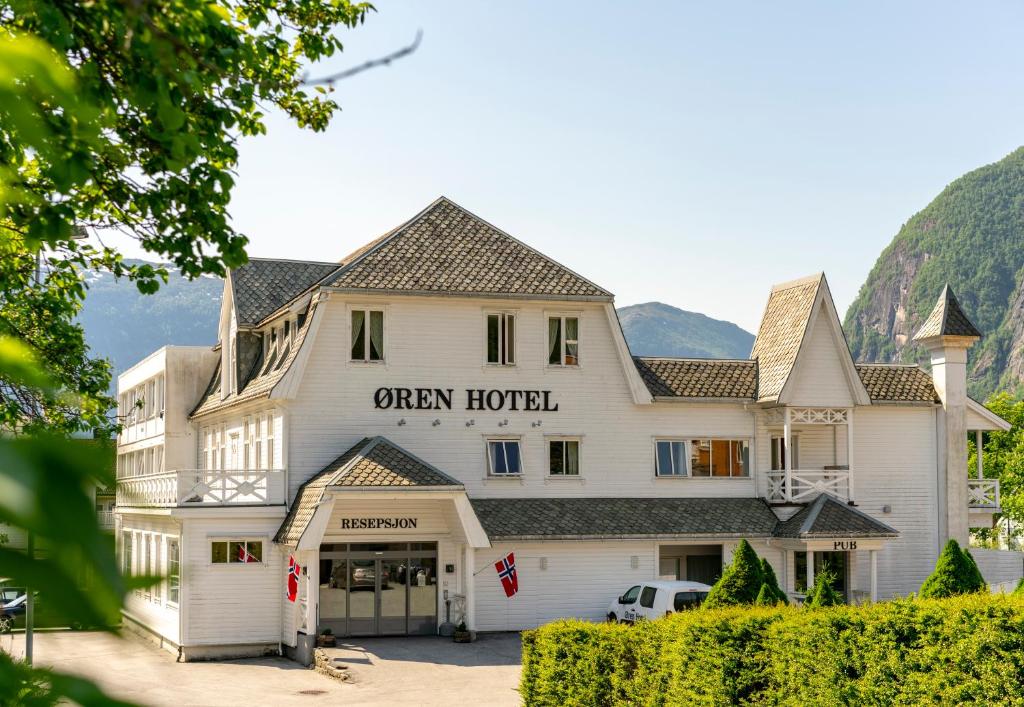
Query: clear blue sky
(693, 153)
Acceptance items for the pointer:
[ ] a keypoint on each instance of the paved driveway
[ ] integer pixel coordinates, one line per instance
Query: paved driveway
(413, 671)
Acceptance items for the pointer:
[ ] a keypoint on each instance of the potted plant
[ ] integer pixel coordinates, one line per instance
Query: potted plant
(326, 639)
(462, 634)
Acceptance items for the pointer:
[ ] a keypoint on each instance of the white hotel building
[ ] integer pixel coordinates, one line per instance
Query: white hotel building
(401, 419)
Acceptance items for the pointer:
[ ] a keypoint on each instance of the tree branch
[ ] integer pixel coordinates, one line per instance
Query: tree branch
(372, 63)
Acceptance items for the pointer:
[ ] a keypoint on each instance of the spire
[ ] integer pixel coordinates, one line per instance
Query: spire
(947, 319)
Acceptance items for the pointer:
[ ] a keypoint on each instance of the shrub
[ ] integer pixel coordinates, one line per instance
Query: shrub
(741, 580)
(967, 648)
(823, 593)
(768, 574)
(1019, 589)
(955, 573)
(765, 597)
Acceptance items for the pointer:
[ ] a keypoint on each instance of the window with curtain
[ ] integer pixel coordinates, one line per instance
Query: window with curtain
(564, 457)
(670, 457)
(367, 335)
(563, 341)
(501, 338)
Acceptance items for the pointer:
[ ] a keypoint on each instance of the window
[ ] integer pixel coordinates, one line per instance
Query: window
(173, 570)
(222, 448)
(564, 457)
(247, 443)
(367, 335)
(719, 458)
(144, 560)
(647, 597)
(688, 600)
(563, 341)
(670, 457)
(258, 443)
(236, 551)
(126, 553)
(503, 458)
(630, 596)
(270, 441)
(158, 587)
(501, 339)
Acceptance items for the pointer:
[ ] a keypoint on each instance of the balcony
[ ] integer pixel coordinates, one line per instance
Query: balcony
(204, 488)
(106, 519)
(983, 495)
(806, 484)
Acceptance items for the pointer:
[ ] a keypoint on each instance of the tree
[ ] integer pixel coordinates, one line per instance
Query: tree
(823, 593)
(955, 573)
(741, 581)
(772, 583)
(124, 119)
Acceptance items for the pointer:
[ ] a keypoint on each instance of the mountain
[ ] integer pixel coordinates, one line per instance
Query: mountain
(124, 326)
(657, 329)
(971, 236)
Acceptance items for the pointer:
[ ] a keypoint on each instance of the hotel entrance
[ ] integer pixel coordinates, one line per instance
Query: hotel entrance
(378, 589)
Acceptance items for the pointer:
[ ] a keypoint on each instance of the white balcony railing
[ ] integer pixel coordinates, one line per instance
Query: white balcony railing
(983, 494)
(203, 487)
(106, 519)
(806, 484)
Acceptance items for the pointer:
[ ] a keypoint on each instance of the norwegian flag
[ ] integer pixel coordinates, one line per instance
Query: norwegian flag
(244, 555)
(294, 570)
(506, 569)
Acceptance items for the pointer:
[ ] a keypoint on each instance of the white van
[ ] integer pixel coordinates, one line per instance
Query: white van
(656, 598)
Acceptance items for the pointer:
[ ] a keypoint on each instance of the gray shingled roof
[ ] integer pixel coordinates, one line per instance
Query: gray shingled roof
(446, 249)
(372, 462)
(896, 383)
(826, 517)
(781, 332)
(554, 518)
(262, 286)
(698, 378)
(947, 318)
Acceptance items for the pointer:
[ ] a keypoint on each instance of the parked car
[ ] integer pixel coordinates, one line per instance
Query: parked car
(656, 598)
(13, 610)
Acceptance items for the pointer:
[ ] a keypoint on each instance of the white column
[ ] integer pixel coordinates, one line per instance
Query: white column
(312, 567)
(977, 445)
(873, 554)
(469, 563)
(849, 454)
(787, 439)
(810, 570)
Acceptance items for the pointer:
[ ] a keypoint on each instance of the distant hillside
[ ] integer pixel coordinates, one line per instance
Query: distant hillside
(657, 329)
(124, 326)
(972, 236)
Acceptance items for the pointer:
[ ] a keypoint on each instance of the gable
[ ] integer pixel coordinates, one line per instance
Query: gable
(447, 250)
(818, 378)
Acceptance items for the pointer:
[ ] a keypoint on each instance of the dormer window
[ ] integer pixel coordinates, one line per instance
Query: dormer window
(367, 335)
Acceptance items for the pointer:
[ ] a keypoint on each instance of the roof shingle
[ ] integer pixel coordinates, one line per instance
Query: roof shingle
(698, 378)
(781, 332)
(446, 250)
(553, 518)
(947, 318)
(262, 286)
(895, 383)
(826, 517)
(371, 462)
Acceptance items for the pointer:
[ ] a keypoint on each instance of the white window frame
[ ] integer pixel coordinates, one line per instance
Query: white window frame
(127, 556)
(157, 565)
(565, 455)
(227, 540)
(562, 316)
(258, 442)
(366, 310)
(711, 476)
(780, 439)
(686, 458)
(507, 355)
(271, 446)
(145, 560)
(247, 443)
(175, 543)
(490, 462)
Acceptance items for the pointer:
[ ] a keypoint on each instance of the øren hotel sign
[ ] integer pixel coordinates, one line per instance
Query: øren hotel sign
(476, 399)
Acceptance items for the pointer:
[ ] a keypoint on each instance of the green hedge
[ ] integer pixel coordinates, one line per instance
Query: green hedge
(948, 651)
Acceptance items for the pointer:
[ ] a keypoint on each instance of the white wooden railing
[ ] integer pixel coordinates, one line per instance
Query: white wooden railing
(106, 519)
(983, 494)
(203, 487)
(806, 484)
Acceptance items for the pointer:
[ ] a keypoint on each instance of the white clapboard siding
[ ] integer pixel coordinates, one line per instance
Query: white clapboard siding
(894, 463)
(156, 614)
(439, 343)
(1002, 569)
(818, 378)
(232, 603)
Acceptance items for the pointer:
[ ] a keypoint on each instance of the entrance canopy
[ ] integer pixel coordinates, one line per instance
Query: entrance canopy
(376, 489)
(828, 524)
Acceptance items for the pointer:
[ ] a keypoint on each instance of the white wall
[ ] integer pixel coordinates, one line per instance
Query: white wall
(148, 607)
(1002, 569)
(819, 379)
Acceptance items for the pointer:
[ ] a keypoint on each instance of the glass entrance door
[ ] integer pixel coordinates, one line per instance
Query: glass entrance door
(380, 589)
